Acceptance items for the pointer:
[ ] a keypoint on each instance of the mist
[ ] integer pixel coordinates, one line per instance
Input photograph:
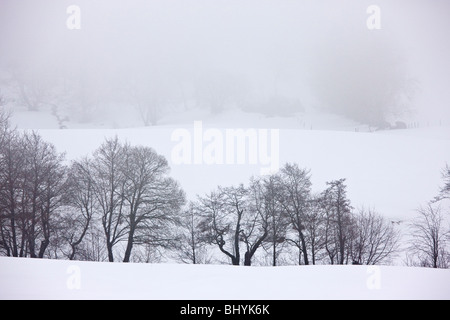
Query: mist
(155, 58)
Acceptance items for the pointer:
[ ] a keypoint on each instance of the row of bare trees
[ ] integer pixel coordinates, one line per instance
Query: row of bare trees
(280, 210)
(119, 203)
(119, 198)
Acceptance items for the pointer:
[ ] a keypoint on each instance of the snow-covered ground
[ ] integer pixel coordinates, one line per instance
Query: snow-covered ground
(57, 279)
(393, 171)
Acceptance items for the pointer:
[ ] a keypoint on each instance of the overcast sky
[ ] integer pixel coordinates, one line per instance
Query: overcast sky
(269, 45)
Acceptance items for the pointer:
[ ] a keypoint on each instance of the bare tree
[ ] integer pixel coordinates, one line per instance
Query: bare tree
(338, 221)
(278, 221)
(222, 213)
(12, 163)
(374, 239)
(315, 229)
(235, 215)
(79, 201)
(44, 175)
(109, 188)
(152, 198)
(255, 225)
(445, 189)
(191, 248)
(429, 238)
(294, 199)
(31, 176)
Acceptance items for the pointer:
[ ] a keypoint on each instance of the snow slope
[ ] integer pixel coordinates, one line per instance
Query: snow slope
(392, 171)
(58, 279)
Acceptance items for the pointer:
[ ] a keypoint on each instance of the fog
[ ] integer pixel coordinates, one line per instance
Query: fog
(279, 57)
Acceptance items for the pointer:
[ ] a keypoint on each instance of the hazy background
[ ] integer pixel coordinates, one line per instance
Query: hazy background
(279, 57)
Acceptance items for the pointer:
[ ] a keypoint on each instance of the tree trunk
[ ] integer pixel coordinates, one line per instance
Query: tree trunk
(274, 254)
(247, 259)
(236, 239)
(129, 245)
(44, 245)
(110, 251)
(305, 253)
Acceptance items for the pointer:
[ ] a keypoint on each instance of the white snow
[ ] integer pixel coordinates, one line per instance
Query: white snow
(392, 171)
(58, 279)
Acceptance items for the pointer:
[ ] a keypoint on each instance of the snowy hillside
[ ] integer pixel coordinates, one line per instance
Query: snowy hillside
(394, 171)
(55, 279)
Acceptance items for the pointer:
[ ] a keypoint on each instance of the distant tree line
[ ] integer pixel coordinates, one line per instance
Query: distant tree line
(120, 204)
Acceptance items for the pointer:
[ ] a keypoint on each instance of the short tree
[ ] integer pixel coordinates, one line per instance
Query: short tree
(223, 213)
(429, 238)
(374, 239)
(190, 246)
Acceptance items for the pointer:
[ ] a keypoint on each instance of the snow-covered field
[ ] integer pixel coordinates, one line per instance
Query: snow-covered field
(57, 279)
(392, 171)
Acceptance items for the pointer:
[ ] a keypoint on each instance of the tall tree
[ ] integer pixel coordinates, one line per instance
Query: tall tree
(79, 201)
(295, 199)
(153, 199)
(278, 221)
(44, 176)
(109, 191)
(338, 224)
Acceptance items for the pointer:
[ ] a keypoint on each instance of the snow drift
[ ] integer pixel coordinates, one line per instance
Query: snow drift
(62, 279)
